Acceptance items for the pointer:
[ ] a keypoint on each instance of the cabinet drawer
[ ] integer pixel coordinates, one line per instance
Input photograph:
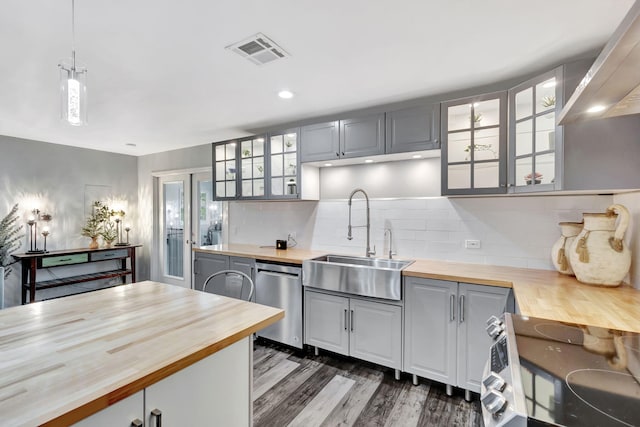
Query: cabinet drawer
(54, 261)
(114, 254)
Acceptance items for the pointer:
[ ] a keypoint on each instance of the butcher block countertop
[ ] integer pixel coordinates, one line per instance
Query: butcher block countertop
(67, 358)
(539, 293)
(545, 293)
(270, 253)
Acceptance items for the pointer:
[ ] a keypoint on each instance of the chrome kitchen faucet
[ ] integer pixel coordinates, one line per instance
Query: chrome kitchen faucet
(369, 252)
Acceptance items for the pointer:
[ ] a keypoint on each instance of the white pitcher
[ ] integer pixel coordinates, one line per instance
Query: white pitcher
(599, 255)
(560, 250)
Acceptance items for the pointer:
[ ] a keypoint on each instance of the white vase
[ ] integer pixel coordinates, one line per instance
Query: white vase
(560, 250)
(598, 255)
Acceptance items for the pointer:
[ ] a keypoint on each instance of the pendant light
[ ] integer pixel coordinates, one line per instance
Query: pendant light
(73, 84)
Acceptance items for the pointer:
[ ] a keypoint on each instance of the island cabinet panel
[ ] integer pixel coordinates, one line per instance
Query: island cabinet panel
(213, 391)
(128, 412)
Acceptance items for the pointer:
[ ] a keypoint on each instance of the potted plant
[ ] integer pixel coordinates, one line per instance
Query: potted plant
(109, 232)
(10, 239)
(94, 224)
(533, 178)
(549, 101)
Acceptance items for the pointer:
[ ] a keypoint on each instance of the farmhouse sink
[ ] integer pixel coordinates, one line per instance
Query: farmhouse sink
(371, 277)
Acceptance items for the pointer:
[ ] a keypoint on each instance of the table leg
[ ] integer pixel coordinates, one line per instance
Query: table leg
(32, 281)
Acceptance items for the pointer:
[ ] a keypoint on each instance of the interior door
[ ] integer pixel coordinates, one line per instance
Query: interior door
(207, 214)
(175, 227)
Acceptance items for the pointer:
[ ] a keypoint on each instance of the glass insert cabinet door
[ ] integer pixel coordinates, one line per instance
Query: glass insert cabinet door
(225, 164)
(252, 167)
(474, 144)
(535, 141)
(284, 164)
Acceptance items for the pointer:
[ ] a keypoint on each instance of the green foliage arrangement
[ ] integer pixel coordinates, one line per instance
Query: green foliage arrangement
(10, 238)
(93, 226)
(109, 232)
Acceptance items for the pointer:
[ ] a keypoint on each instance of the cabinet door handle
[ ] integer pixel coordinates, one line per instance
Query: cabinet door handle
(195, 266)
(136, 423)
(351, 321)
(452, 308)
(337, 154)
(461, 308)
(343, 153)
(157, 414)
(345, 319)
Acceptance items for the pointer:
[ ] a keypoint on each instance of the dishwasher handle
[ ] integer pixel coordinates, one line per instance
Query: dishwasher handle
(277, 273)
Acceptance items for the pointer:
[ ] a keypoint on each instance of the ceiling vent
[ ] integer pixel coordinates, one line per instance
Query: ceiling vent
(259, 49)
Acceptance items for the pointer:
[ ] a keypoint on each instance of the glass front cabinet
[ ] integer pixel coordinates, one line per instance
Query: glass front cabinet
(225, 165)
(535, 142)
(474, 145)
(284, 164)
(258, 167)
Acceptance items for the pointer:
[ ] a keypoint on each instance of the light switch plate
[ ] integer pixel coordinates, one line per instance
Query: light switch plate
(472, 244)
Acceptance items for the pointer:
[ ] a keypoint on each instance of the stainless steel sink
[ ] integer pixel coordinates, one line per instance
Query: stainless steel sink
(372, 277)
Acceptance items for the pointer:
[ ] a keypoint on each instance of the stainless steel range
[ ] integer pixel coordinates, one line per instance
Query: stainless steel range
(542, 372)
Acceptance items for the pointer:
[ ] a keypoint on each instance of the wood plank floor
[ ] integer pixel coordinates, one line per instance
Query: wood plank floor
(296, 388)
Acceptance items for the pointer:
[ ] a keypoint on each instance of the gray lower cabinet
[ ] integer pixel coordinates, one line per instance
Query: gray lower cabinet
(205, 264)
(367, 330)
(445, 338)
(413, 129)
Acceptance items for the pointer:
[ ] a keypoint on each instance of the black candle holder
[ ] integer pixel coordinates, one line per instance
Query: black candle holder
(33, 233)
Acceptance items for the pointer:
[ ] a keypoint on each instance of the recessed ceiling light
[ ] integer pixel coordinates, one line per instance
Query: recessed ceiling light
(130, 144)
(328, 164)
(285, 94)
(596, 109)
(416, 156)
(368, 161)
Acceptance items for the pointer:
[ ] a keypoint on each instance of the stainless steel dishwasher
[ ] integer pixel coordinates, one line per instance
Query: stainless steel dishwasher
(281, 286)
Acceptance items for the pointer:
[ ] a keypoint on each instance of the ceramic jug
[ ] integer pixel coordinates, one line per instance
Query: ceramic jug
(560, 250)
(598, 255)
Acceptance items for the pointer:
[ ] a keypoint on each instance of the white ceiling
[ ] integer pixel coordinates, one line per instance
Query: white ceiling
(160, 77)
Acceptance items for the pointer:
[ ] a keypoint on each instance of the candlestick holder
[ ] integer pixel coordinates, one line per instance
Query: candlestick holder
(127, 229)
(33, 232)
(45, 233)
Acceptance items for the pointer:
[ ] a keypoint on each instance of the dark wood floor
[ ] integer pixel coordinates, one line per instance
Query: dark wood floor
(295, 388)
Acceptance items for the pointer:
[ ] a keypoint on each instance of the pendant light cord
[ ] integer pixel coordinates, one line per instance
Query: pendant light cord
(73, 33)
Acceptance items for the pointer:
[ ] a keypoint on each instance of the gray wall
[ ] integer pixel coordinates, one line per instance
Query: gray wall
(58, 175)
(184, 159)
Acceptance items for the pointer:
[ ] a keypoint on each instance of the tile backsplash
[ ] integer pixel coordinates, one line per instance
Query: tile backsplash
(513, 231)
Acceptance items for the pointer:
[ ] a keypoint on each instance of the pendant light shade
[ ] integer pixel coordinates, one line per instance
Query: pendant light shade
(73, 93)
(73, 84)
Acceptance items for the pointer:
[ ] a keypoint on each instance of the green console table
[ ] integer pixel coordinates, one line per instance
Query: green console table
(31, 263)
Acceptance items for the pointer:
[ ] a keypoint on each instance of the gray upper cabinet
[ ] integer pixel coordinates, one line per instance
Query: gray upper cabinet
(252, 167)
(320, 142)
(474, 145)
(535, 142)
(362, 136)
(413, 129)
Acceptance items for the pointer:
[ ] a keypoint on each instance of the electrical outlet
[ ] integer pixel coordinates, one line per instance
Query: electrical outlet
(472, 244)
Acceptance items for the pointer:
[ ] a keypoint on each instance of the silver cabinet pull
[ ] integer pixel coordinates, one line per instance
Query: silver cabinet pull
(461, 308)
(345, 319)
(136, 423)
(452, 307)
(351, 321)
(157, 414)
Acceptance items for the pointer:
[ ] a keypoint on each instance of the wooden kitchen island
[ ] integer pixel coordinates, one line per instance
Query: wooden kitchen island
(117, 354)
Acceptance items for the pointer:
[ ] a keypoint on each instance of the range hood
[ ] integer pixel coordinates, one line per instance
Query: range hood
(613, 81)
